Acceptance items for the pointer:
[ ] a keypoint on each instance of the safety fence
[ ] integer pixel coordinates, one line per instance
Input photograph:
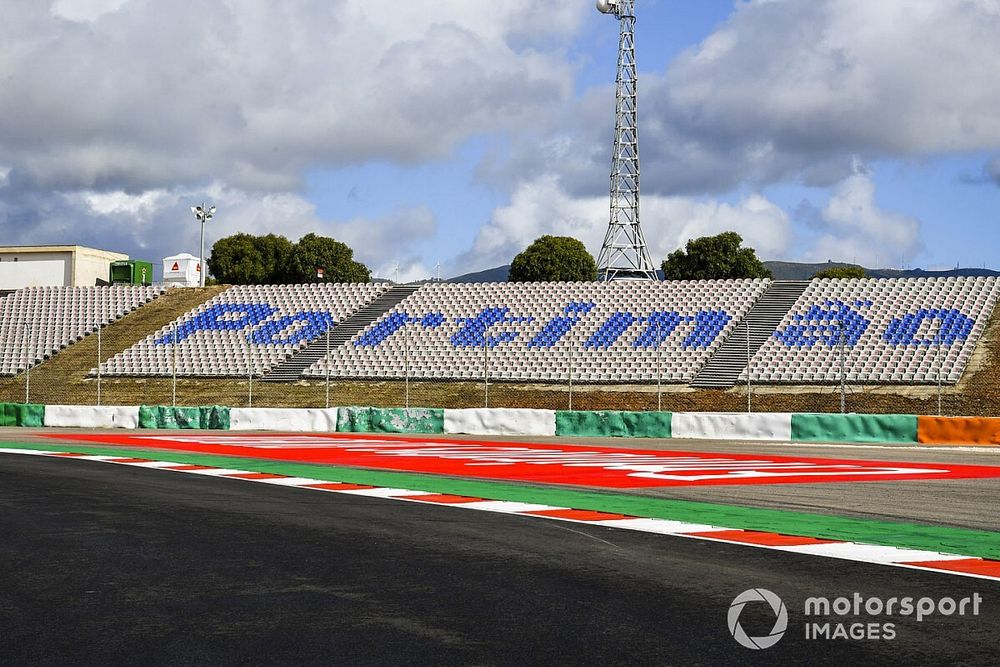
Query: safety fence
(773, 427)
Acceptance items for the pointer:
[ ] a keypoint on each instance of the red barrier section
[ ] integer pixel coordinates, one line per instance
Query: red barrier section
(547, 463)
(958, 430)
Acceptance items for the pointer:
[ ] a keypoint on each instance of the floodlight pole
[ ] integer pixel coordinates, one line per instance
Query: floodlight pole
(203, 214)
(624, 254)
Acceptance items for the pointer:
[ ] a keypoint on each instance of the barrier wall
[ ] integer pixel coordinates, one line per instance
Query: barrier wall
(613, 424)
(732, 426)
(92, 416)
(854, 428)
(21, 414)
(775, 427)
(283, 419)
(390, 420)
(500, 421)
(958, 430)
(164, 416)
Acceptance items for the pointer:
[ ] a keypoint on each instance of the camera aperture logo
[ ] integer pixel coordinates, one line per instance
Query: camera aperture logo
(780, 618)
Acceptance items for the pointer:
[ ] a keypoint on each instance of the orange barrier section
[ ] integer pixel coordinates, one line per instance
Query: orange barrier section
(958, 430)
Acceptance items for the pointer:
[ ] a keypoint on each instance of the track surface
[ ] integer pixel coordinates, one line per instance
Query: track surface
(961, 503)
(109, 564)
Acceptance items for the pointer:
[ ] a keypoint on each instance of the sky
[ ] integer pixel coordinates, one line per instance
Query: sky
(445, 136)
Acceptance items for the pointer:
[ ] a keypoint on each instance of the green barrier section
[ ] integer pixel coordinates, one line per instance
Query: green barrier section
(390, 420)
(610, 423)
(353, 420)
(165, 416)
(965, 541)
(22, 414)
(854, 428)
(215, 417)
(412, 420)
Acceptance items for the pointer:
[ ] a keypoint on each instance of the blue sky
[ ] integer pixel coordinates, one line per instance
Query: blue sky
(455, 132)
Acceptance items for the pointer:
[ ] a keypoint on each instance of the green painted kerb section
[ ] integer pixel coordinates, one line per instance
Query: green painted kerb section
(22, 414)
(390, 420)
(613, 424)
(215, 417)
(964, 541)
(854, 428)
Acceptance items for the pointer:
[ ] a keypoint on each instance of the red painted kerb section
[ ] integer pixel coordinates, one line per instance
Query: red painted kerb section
(546, 463)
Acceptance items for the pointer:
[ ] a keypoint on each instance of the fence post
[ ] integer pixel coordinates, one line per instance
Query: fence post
(659, 368)
(486, 372)
(173, 350)
(571, 376)
(406, 364)
(843, 368)
(27, 364)
(749, 410)
(99, 365)
(249, 373)
(938, 355)
(328, 367)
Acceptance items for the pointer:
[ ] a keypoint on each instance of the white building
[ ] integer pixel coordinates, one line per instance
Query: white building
(54, 266)
(183, 270)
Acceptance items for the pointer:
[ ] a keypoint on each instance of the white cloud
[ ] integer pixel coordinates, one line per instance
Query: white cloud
(802, 81)
(856, 229)
(139, 95)
(789, 90)
(119, 202)
(850, 226)
(84, 10)
(543, 207)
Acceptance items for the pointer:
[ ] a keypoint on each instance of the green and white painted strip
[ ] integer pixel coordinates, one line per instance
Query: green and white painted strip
(558, 505)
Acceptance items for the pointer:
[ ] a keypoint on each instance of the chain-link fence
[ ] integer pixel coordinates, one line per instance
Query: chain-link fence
(35, 373)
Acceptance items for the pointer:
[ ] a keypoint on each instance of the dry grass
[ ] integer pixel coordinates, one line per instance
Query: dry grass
(63, 380)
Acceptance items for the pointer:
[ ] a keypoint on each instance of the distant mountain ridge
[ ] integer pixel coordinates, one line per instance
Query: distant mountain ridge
(781, 271)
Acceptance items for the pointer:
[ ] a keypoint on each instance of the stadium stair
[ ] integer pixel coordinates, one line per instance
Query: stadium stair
(345, 330)
(724, 368)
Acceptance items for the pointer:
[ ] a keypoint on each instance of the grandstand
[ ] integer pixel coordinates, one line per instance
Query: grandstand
(884, 331)
(37, 322)
(622, 332)
(432, 344)
(892, 330)
(245, 329)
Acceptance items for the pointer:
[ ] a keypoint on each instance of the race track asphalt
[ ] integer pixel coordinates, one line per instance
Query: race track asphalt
(108, 564)
(963, 503)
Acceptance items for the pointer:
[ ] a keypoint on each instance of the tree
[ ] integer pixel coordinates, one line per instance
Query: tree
(244, 259)
(553, 258)
(841, 272)
(314, 252)
(714, 258)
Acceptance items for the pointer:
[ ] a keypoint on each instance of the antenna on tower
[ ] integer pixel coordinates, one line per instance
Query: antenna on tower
(624, 255)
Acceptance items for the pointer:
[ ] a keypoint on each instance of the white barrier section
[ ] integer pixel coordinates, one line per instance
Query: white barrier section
(283, 419)
(732, 425)
(92, 416)
(500, 421)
